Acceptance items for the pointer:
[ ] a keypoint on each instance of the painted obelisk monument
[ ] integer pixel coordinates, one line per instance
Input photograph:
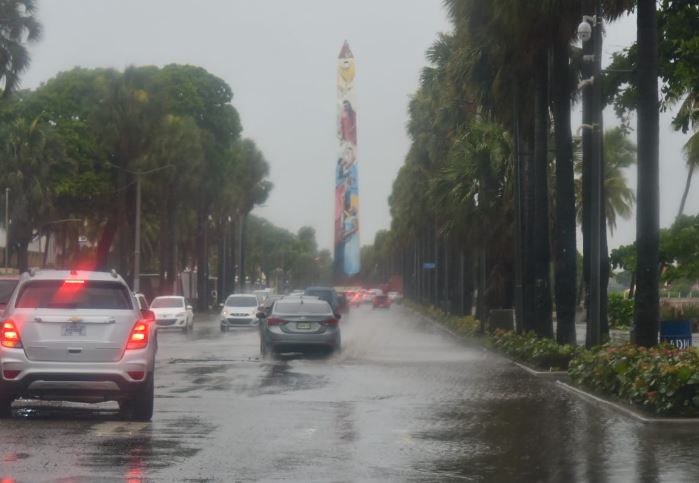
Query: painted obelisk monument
(346, 188)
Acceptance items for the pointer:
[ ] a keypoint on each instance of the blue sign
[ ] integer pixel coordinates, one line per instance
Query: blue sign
(677, 333)
(429, 265)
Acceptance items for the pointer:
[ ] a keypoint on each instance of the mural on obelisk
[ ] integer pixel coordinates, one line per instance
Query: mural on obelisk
(346, 188)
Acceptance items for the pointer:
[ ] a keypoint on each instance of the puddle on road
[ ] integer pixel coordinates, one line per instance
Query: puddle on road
(151, 446)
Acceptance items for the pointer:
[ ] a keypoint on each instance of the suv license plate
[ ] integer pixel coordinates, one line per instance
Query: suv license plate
(303, 325)
(73, 329)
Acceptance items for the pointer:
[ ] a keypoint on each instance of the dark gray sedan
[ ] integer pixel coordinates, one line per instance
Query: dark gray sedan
(299, 325)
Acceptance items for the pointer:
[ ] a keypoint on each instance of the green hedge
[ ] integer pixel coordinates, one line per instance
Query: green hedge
(543, 353)
(664, 379)
(467, 326)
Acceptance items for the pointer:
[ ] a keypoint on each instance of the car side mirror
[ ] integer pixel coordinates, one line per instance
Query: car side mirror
(148, 315)
(189, 307)
(261, 315)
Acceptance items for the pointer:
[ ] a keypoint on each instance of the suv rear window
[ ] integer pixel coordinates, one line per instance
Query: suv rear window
(55, 294)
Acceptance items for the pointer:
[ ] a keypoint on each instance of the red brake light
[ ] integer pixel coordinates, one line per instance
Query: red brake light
(74, 282)
(274, 321)
(9, 335)
(138, 339)
(330, 322)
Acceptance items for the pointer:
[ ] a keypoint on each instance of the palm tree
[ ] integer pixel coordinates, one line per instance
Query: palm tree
(647, 216)
(619, 154)
(18, 25)
(32, 153)
(689, 115)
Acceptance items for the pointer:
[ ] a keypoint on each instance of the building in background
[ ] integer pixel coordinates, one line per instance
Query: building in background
(346, 187)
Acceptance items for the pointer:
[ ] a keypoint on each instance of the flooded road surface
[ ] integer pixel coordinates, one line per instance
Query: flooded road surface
(403, 402)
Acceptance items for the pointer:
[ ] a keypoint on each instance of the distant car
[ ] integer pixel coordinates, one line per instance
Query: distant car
(77, 336)
(239, 310)
(269, 303)
(395, 297)
(299, 325)
(367, 297)
(324, 293)
(172, 311)
(342, 302)
(8, 283)
(381, 302)
(142, 301)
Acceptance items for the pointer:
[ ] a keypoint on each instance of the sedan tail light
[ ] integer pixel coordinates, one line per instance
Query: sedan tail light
(138, 339)
(9, 335)
(274, 321)
(330, 322)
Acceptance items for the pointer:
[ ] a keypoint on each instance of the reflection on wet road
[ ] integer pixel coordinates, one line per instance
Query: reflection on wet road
(402, 402)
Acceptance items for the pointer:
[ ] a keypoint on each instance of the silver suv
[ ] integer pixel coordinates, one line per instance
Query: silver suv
(77, 336)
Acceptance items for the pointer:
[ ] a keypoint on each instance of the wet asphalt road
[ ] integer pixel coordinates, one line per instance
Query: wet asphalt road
(403, 402)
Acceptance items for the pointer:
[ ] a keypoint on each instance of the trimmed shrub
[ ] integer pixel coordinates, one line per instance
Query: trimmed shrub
(663, 379)
(543, 353)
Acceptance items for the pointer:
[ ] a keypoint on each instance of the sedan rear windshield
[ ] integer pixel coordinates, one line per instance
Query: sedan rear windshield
(293, 308)
(242, 301)
(168, 303)
(56, 294)
(6, 289)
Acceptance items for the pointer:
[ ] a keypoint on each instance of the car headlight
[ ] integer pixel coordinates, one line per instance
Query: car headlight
(225, 312)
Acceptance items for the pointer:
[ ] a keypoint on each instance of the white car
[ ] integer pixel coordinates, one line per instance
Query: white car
(172, 311)
(239, 310)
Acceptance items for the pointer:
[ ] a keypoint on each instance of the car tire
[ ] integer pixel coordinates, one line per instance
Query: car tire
(140, 406)
(224, 328)
(5, 407)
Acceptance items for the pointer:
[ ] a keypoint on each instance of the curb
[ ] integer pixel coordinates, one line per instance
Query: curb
(536, 373)
(598, 401)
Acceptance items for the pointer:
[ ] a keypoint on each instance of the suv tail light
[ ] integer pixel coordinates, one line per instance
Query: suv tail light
(138, 339)
(273, 321)
(330, 322)
(9, 335)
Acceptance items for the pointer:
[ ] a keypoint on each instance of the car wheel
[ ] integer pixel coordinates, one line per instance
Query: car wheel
(224, 328)
(5, 407)
(140, 406)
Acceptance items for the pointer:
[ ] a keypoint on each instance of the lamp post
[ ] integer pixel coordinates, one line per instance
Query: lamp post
(137, 231)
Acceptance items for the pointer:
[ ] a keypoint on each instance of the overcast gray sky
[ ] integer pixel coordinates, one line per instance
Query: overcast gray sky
(279, 56)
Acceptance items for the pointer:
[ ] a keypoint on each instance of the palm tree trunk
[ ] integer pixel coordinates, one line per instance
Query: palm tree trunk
(690, 171)
(542, 254)
(647, 214)
(565, 242)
